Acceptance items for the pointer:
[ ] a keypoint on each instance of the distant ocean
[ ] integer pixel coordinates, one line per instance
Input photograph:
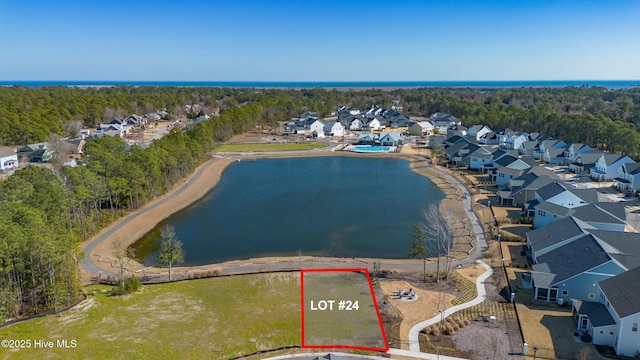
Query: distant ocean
(609, 84)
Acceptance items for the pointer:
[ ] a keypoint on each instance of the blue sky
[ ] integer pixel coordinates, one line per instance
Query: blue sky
(273, 40)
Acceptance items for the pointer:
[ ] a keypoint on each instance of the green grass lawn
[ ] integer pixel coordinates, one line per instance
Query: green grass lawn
(269, 147)
(215, 318)
(356, 326)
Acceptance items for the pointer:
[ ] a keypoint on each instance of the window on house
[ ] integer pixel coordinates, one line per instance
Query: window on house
(565, 292)
(592, 295)
(634, 327)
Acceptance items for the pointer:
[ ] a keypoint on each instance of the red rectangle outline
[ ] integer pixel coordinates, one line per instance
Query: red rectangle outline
(375, 303)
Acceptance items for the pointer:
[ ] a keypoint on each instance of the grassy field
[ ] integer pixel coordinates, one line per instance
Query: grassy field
(215, 318)
(269, 147)
(351, 326)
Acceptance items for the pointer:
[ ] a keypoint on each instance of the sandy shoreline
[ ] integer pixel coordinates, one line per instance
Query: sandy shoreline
(130, 228)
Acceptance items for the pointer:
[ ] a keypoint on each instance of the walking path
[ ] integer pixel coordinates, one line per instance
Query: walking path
(414, 344)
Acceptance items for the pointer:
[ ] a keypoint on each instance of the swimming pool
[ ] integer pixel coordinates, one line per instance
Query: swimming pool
(370, 148)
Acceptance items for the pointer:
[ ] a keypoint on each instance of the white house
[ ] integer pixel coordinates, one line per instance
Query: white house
(606, 168)
(628, 178)
(114, 129)
(317, 128)
(356, 124)
(547, 144)
(8, 158)
(334, 128)
(512, 140)
(476, 131)
(420, 128)
(391, 139)
(616, 323)
(373, 124)
(573, 150)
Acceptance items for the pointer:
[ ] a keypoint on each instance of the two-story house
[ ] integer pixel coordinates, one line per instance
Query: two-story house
(628, 178)
(606, 168)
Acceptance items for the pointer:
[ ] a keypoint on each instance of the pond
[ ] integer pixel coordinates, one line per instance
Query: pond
(323, 206)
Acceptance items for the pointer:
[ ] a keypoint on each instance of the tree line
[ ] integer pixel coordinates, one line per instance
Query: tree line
(46, 214)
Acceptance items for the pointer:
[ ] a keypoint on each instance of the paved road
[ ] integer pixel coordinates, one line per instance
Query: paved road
(87, 263)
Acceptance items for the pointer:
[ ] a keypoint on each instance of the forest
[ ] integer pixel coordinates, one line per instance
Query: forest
(47, 213)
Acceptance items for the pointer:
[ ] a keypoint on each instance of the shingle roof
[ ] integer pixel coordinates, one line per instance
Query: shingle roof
(510, 171)
(555, 232)
(7, 151)
(610, 159)
(616, 289)
(626, 260)
(505, 160)
(548, 191)
(594, 213)
(553, 208)
(597, 313)
(623, 242)
(632, 168)
(529, 145)
(590, 196)
(532, 182)
(589, 157)
(573, 258)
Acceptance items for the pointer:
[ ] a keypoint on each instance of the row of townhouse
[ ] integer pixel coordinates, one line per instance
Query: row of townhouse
(375, 118)
(583, 250)
(309, 124)
(580, 158)
(581, 260)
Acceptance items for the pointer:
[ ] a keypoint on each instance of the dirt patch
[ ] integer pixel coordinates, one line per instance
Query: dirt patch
(413, 312)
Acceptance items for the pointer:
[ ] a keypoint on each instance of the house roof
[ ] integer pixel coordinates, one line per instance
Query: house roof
(627, 260)
(597, 312)
(624, 242)
(393, 135)
(553, 208)
(632, 168)
(590, 196)
(510, 171)
(550, 190)
(543, 171)
(532, 182)
(529, 145)
(7, 151)
(488, 136)
(594, 213)
(610, 159)
(555, 232)
(616, 289)
(555, 152)
(505, 160)
(573, 258)
(589, 157)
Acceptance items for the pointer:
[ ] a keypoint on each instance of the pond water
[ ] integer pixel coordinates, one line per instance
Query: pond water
(324, 206)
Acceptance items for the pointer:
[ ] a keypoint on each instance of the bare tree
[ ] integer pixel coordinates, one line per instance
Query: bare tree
(123, 255)
(59, 148)
(436, 229)
(72, 128)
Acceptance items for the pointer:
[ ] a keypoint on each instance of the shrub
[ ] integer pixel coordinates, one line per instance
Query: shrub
(460, 323)
(466, 322)
(132, 284)
(448, 329)
(435, 331)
